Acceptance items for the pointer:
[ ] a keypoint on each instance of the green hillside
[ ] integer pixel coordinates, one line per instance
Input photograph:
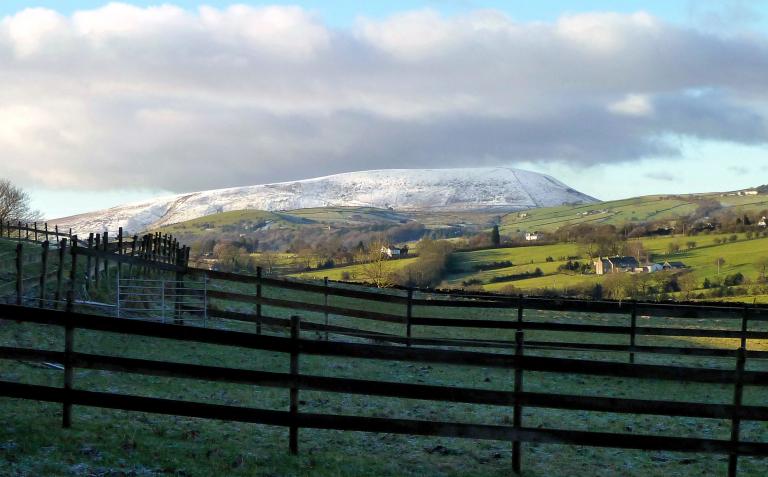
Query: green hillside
(616, 212)
(253, 220)
(739, 256)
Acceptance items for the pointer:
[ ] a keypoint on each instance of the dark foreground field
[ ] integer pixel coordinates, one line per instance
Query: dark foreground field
(111, 443)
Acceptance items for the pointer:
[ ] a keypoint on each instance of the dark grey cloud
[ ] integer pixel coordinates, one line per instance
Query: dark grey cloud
(165, 98)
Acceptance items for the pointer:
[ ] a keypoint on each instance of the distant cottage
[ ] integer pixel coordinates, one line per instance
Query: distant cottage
(532, 236)
(394, 252)
(617, 264)
(672, 265)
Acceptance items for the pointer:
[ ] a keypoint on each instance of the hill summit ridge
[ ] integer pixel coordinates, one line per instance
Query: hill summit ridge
(456, 189)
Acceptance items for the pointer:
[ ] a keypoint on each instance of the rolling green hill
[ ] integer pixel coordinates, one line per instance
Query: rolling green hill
(740, 257)
(616, 212)
(254, 220)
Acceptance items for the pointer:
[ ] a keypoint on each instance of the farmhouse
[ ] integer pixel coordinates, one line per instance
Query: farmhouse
(615, 265)
(762, 222)
(651, 268)
(672, 265)
(394, 252)
(532, 236)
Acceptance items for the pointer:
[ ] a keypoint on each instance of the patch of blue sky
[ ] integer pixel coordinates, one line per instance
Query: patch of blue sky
(342, 13)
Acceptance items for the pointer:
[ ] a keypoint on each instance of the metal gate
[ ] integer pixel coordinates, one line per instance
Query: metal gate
(167, 301)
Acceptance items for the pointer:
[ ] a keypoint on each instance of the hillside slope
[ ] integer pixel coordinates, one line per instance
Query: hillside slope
(400, 189)
(616, 212)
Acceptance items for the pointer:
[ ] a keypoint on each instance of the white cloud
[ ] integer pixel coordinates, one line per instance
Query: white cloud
(184, 100)
(28, 30)
(632, 105)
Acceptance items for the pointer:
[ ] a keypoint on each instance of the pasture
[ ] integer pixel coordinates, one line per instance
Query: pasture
(617, 212)
(740, 257)
(103, 441)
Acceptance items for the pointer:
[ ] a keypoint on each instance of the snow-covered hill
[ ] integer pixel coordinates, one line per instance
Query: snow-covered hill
(400, 189)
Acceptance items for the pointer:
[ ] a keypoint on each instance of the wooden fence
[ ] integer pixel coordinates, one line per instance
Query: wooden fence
(325, 302)
(295, 346)
(433, 306)
(53, 268)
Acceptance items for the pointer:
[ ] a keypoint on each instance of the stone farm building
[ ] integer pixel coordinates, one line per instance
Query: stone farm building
(605, 265)
(615, 265)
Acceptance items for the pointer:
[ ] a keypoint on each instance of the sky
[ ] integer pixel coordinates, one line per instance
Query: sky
(106, 103)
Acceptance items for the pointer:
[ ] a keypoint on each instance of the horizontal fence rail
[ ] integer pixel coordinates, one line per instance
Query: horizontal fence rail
(295, 346)
(61, 275)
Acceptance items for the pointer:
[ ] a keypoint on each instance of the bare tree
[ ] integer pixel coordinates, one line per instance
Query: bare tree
(15, 204)
(719, 261)
(267, 261)
(687, 283)
(635, 248)
(374, 267)
(761, 265)
(618, 286)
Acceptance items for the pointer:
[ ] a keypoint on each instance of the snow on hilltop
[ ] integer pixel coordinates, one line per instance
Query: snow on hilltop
(400, 189)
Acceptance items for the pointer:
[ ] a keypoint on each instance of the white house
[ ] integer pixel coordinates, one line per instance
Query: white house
(763, 222)
(532, 236)
(394, 252)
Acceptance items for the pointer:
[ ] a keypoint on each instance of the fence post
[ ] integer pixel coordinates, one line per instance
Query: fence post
(19, 272)
(119, 249)
(744, 326)
(258, 296)
(35, 226)
(73, 271)
(517, 417)
(325, 304)
(97, 263)
(294, 404)
(43, 274)
(88, 263)
(69, 341)
(133, 254)
(738, 394)
(408, 316)
(60, 271)
(205, 300)
(178, 291)
(46, 232)
(105, 243)
(632, 332)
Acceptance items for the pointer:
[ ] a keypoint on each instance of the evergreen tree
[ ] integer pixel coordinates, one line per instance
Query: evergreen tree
(495, 236)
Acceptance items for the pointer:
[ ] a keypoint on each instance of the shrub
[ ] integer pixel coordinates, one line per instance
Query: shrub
(516, 276)
(570, 266)
(493, 265)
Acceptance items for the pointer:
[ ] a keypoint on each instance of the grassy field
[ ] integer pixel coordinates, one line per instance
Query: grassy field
(352, 272)
(739, 257)
(112, 442)
(617, 212)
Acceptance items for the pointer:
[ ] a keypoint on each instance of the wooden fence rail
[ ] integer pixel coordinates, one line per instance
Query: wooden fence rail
(34, 266)
(295, 381)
